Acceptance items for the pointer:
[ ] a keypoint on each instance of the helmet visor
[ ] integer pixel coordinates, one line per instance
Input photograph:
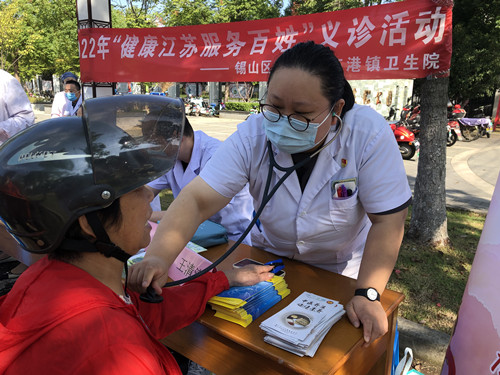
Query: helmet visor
(133, 139)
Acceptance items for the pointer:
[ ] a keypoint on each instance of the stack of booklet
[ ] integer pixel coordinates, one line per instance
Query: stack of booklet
(302, 325)
(243, 304)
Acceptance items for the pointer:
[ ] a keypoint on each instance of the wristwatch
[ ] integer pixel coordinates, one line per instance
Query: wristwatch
(370, 293)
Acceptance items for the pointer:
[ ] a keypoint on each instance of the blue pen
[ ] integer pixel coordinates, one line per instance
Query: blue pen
(344, 190)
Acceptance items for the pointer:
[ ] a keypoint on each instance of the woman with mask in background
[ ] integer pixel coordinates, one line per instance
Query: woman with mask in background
(343, 208)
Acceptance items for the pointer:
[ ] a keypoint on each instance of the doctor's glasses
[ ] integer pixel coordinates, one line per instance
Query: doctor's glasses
(298, 122)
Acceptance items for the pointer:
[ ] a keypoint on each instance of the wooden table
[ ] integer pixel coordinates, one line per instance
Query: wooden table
(227, 348)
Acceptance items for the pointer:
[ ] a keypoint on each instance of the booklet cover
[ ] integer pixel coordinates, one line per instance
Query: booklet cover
(242, 305)
(301, 326)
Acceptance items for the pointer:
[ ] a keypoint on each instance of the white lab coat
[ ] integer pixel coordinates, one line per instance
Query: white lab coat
(315, 226)
(58, 104)
(236, 216)
(69, 110)
(16, 113)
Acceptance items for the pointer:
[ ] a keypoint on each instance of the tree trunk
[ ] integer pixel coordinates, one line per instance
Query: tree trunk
(428, 222)
(226, 93)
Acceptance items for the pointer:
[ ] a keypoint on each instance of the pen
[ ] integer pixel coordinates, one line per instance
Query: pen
(344, 191)
(339, 192)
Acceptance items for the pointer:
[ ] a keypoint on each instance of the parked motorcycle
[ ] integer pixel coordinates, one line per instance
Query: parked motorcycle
(194, 109)
(473, 128)
(453, 132)
(486, 128)
(412, 122)
(408, 145)
(410, 118)
(207, 110)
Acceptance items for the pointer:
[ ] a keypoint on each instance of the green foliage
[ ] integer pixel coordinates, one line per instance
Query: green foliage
(299, 7)
(38, 37)
(198, 12)
(241, 106)
(187, 12)
(475, 63)
(246, 10)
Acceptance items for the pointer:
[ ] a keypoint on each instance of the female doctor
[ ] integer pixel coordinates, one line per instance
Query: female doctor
(343, 209)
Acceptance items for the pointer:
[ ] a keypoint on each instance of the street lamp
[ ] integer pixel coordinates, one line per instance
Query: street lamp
(95, 13)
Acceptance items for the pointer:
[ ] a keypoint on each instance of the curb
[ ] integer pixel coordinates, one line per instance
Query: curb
(427, 344)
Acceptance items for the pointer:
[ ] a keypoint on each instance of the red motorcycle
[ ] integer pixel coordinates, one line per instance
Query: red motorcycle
(408, 145)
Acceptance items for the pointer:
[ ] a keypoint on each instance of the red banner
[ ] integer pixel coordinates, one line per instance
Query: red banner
(409, 39)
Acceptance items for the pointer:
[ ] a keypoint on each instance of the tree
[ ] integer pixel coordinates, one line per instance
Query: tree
(136, 14)
(475, 63)
(298, 7)
(199, 12)
(187, 12)
(40, 37)
(428, 222)
(246, 10)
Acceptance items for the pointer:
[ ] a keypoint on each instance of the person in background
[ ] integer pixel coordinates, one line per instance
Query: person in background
(60, 99)
(16, 114)
(343, 207)
(69, 312)
(195, 151)
(73, 106)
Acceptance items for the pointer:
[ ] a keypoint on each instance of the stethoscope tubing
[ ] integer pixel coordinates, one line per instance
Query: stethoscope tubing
(265, 199)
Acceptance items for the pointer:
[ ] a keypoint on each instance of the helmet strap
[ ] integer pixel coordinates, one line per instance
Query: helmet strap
(104, 245)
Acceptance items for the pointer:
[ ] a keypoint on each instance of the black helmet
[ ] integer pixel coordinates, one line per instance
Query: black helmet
(60, 169)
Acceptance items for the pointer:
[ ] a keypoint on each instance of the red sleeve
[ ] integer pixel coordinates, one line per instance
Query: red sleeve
(181, 305)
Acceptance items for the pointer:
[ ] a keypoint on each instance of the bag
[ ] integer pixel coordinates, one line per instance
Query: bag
(210, 234)
(395, 351)
(405, 363)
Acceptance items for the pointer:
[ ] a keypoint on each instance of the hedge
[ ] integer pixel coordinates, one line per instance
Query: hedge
(241, 106)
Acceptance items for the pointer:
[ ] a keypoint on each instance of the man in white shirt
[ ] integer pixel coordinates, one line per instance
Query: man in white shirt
(16, 113)
(195, 151)
(72, 90)
(60, 99)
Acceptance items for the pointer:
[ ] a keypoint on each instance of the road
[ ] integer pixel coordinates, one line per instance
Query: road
(472, 168)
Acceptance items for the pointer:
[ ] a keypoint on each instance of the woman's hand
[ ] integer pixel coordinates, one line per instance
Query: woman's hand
(248, 275)
(152, 270)
(370, 314)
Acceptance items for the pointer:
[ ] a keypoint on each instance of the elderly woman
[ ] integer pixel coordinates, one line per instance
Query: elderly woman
(74, 188)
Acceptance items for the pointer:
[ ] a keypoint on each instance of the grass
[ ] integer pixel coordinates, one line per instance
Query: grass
(433, 279)
(166, 197)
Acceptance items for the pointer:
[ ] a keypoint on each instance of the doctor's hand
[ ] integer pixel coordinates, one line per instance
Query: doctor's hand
(370, 314)
(248, 275)
(152, 270)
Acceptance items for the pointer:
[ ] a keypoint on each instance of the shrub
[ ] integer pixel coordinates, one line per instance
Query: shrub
(241, 106)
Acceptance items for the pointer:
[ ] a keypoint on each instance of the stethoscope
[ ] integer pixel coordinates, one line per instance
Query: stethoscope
(152, 297)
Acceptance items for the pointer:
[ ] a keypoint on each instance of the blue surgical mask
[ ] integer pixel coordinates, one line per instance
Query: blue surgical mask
(71, 96)
(289, 140)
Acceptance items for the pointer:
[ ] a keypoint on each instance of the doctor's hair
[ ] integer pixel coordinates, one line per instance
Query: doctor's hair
(320, 61)
(109, 216)
(188, 129)
(70, 82)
